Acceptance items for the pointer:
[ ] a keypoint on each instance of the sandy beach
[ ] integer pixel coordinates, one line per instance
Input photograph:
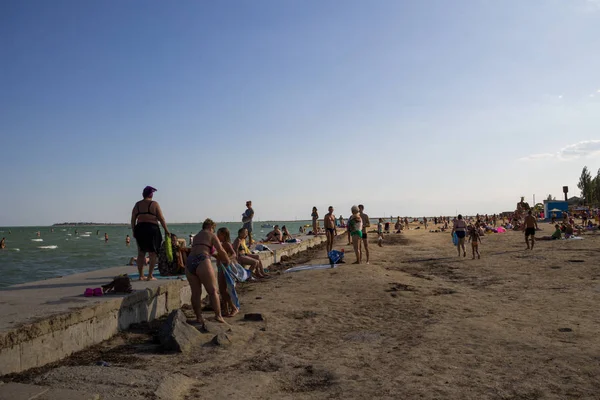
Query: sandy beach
(417, 323)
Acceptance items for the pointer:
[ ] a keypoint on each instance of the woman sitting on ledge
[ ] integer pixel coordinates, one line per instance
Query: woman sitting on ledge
(286, 234)
(245, 257)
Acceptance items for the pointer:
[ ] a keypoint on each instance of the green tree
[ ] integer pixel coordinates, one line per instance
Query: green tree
(585, 185)
(596, 187)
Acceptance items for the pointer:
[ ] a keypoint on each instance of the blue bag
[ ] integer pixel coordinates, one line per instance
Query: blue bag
(335, 257)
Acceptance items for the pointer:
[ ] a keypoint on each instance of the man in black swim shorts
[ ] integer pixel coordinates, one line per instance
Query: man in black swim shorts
(366, 224)
(530, 225)
(330, 228)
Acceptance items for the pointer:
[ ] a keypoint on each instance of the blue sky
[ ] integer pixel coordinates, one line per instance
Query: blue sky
(410, 107)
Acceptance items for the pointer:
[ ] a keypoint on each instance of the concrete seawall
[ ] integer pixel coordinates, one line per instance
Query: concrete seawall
(46, 321)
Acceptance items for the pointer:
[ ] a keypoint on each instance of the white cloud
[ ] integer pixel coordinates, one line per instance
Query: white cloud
(587, 148)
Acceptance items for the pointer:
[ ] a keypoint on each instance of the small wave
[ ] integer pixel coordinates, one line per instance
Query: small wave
(37, 240)
(48, 247)
(69, 234)
(84, 235)
(88, 233)
(15, 249)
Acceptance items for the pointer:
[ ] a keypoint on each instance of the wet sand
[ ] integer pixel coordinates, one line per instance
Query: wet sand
(417, 323)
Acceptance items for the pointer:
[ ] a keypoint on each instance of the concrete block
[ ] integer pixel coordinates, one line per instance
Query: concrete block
(105, 328)
(20, 391)
(66, 394)
(77, 337)
(41, 350)
(157, 308)
(11, 360)
(185, 295)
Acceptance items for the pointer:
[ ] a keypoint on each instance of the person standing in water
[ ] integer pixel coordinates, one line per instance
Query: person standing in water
(127, 241)
(145, 217)
(365, 224)
(530, 225)
(3, 243)
(330, 228)
(247, 221)
(105, 237)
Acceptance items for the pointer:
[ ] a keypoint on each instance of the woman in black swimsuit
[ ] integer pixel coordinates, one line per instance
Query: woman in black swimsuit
(460, 227)
(145, 216)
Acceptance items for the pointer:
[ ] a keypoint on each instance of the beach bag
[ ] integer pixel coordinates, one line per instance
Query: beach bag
(454, 239)
(166, 267)
(120, 284)
(335, 257)
(168, 248)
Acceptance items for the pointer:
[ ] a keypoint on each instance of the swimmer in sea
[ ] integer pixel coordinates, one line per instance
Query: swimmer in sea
(3, 243)
(127, 240)
(330, 228)
(133, 261)
(105, 237)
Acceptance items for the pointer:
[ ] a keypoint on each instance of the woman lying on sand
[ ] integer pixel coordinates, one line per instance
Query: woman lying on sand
(355, 226)
(199, 270)
(245, 257)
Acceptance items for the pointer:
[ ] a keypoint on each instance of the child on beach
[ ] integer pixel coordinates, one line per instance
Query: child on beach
(475, 239)
(380, 232)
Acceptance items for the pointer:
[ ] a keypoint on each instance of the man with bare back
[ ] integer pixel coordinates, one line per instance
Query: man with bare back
(330, 228)
(365, 224)
(530, 225)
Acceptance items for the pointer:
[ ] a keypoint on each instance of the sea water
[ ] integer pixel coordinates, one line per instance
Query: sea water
(28, 257)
